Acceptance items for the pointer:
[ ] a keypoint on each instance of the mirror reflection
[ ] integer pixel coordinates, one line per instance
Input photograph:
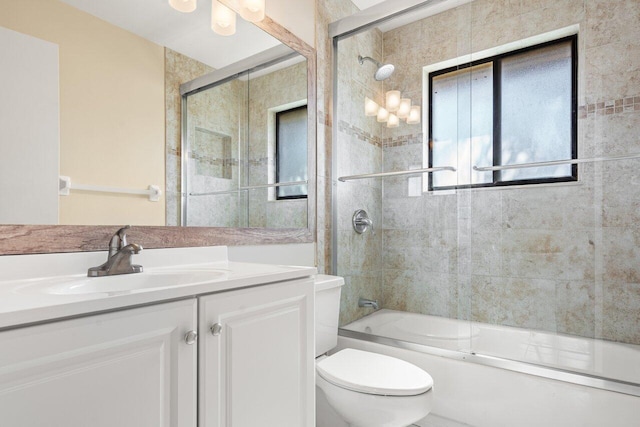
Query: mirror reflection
(91, 123)
(246, 147)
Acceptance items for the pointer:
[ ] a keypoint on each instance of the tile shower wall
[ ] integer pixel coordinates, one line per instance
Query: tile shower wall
(273, 92)
(561, 257)
(178, 69)
(209, 126)
(359, 151)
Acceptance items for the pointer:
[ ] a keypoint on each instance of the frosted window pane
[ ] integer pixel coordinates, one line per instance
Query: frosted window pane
(292, 151)
(536, 111)
(462, 125)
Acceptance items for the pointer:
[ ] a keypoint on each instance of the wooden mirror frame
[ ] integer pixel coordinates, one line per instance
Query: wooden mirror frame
(35, 239)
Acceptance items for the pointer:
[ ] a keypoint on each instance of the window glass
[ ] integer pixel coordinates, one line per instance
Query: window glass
(536, 111)
(462, 125)
(513, 108)
(291, 152)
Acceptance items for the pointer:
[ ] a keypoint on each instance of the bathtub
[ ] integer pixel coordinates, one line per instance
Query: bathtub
(491, 375)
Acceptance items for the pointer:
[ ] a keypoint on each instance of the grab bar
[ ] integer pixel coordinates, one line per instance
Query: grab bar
(153, 191)
(553, 163)
(407, 172)
(251, 187)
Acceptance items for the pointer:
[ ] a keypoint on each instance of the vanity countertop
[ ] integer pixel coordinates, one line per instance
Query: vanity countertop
(38, 288)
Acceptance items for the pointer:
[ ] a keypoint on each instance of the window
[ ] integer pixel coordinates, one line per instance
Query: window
(518, 107)
(291, 152)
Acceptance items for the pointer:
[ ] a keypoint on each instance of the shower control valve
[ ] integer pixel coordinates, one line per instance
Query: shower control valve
(361, 221)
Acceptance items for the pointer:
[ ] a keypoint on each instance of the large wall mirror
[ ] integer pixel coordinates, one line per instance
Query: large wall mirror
(125, 112)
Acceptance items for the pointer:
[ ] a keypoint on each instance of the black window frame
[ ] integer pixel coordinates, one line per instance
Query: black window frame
(497, 115)
(277, 151)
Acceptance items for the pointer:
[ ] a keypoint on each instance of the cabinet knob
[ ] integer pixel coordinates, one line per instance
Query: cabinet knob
(216, 329)
(191, 337)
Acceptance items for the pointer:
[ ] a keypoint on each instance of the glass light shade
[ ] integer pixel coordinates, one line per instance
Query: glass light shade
(393, 121)
(404, 108)
(414, 115)
(370, 107)
(183, 5)
(252, 10)
(383, 115)
(223, 19)
(392, 100)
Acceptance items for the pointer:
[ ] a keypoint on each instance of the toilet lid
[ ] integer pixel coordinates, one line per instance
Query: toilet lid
(374, 373)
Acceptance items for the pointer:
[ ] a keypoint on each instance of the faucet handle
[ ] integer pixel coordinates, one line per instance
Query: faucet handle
(118, 240)
(122, 236)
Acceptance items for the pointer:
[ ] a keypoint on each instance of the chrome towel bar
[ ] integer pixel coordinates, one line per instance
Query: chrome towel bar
(252, 187)
(407, 172)
(553, 163)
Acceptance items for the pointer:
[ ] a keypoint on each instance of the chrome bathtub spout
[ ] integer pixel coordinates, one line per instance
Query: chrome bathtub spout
(119, 258)
(369, 303)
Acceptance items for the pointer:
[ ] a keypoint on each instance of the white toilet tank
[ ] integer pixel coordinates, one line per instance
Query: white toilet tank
(327, 305)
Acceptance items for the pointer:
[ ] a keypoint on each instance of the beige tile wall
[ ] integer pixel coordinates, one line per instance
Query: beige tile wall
(221, 109)
(273, 90)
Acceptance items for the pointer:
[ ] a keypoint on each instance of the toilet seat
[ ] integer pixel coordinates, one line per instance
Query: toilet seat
(373, 373)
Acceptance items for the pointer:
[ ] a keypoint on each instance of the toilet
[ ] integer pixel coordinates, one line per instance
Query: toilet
(360, 388)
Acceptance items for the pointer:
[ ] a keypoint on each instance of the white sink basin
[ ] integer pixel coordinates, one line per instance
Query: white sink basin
(80, 285)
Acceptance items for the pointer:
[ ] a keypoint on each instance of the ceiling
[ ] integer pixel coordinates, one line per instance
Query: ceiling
(423, 10)
(364, 4)
(187, 33)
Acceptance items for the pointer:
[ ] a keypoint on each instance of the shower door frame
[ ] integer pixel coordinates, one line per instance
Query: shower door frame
(363, 21)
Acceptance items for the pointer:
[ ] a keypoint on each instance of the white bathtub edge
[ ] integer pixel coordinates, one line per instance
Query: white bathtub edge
(483, 395)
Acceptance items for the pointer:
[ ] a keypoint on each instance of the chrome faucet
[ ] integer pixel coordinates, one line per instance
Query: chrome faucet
(119, 259)
(363, 302)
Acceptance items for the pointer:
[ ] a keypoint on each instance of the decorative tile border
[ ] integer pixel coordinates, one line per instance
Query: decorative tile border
(398, 141)
(617, 106)
(258, 161)
(213, 161)
(403, 140)
(359, 133)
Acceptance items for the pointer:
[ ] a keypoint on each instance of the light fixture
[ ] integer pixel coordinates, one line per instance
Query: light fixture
(183, 5)
(252, 10)
(401, 107)
(223, 19)
(404, 108)
(414, 115)
(392, 100)
(383, 115)
(370, 107)
(393, 121)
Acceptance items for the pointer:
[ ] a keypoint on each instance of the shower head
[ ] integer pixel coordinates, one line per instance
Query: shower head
(383, 71)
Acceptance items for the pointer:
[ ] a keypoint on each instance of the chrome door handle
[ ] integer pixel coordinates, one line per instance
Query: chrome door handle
(216, 329)
(191, 337)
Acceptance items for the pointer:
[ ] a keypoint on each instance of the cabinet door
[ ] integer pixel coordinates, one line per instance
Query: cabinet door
(129, 368)
(258, 368)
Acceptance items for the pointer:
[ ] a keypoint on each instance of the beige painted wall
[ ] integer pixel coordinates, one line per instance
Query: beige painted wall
(112, 110)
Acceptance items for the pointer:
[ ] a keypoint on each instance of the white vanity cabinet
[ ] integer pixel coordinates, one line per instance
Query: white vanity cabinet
(256, 350)
(142, 366)
(128, 368)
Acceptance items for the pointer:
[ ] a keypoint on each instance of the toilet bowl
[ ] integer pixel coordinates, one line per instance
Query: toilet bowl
(360, 388)
(373, 390)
